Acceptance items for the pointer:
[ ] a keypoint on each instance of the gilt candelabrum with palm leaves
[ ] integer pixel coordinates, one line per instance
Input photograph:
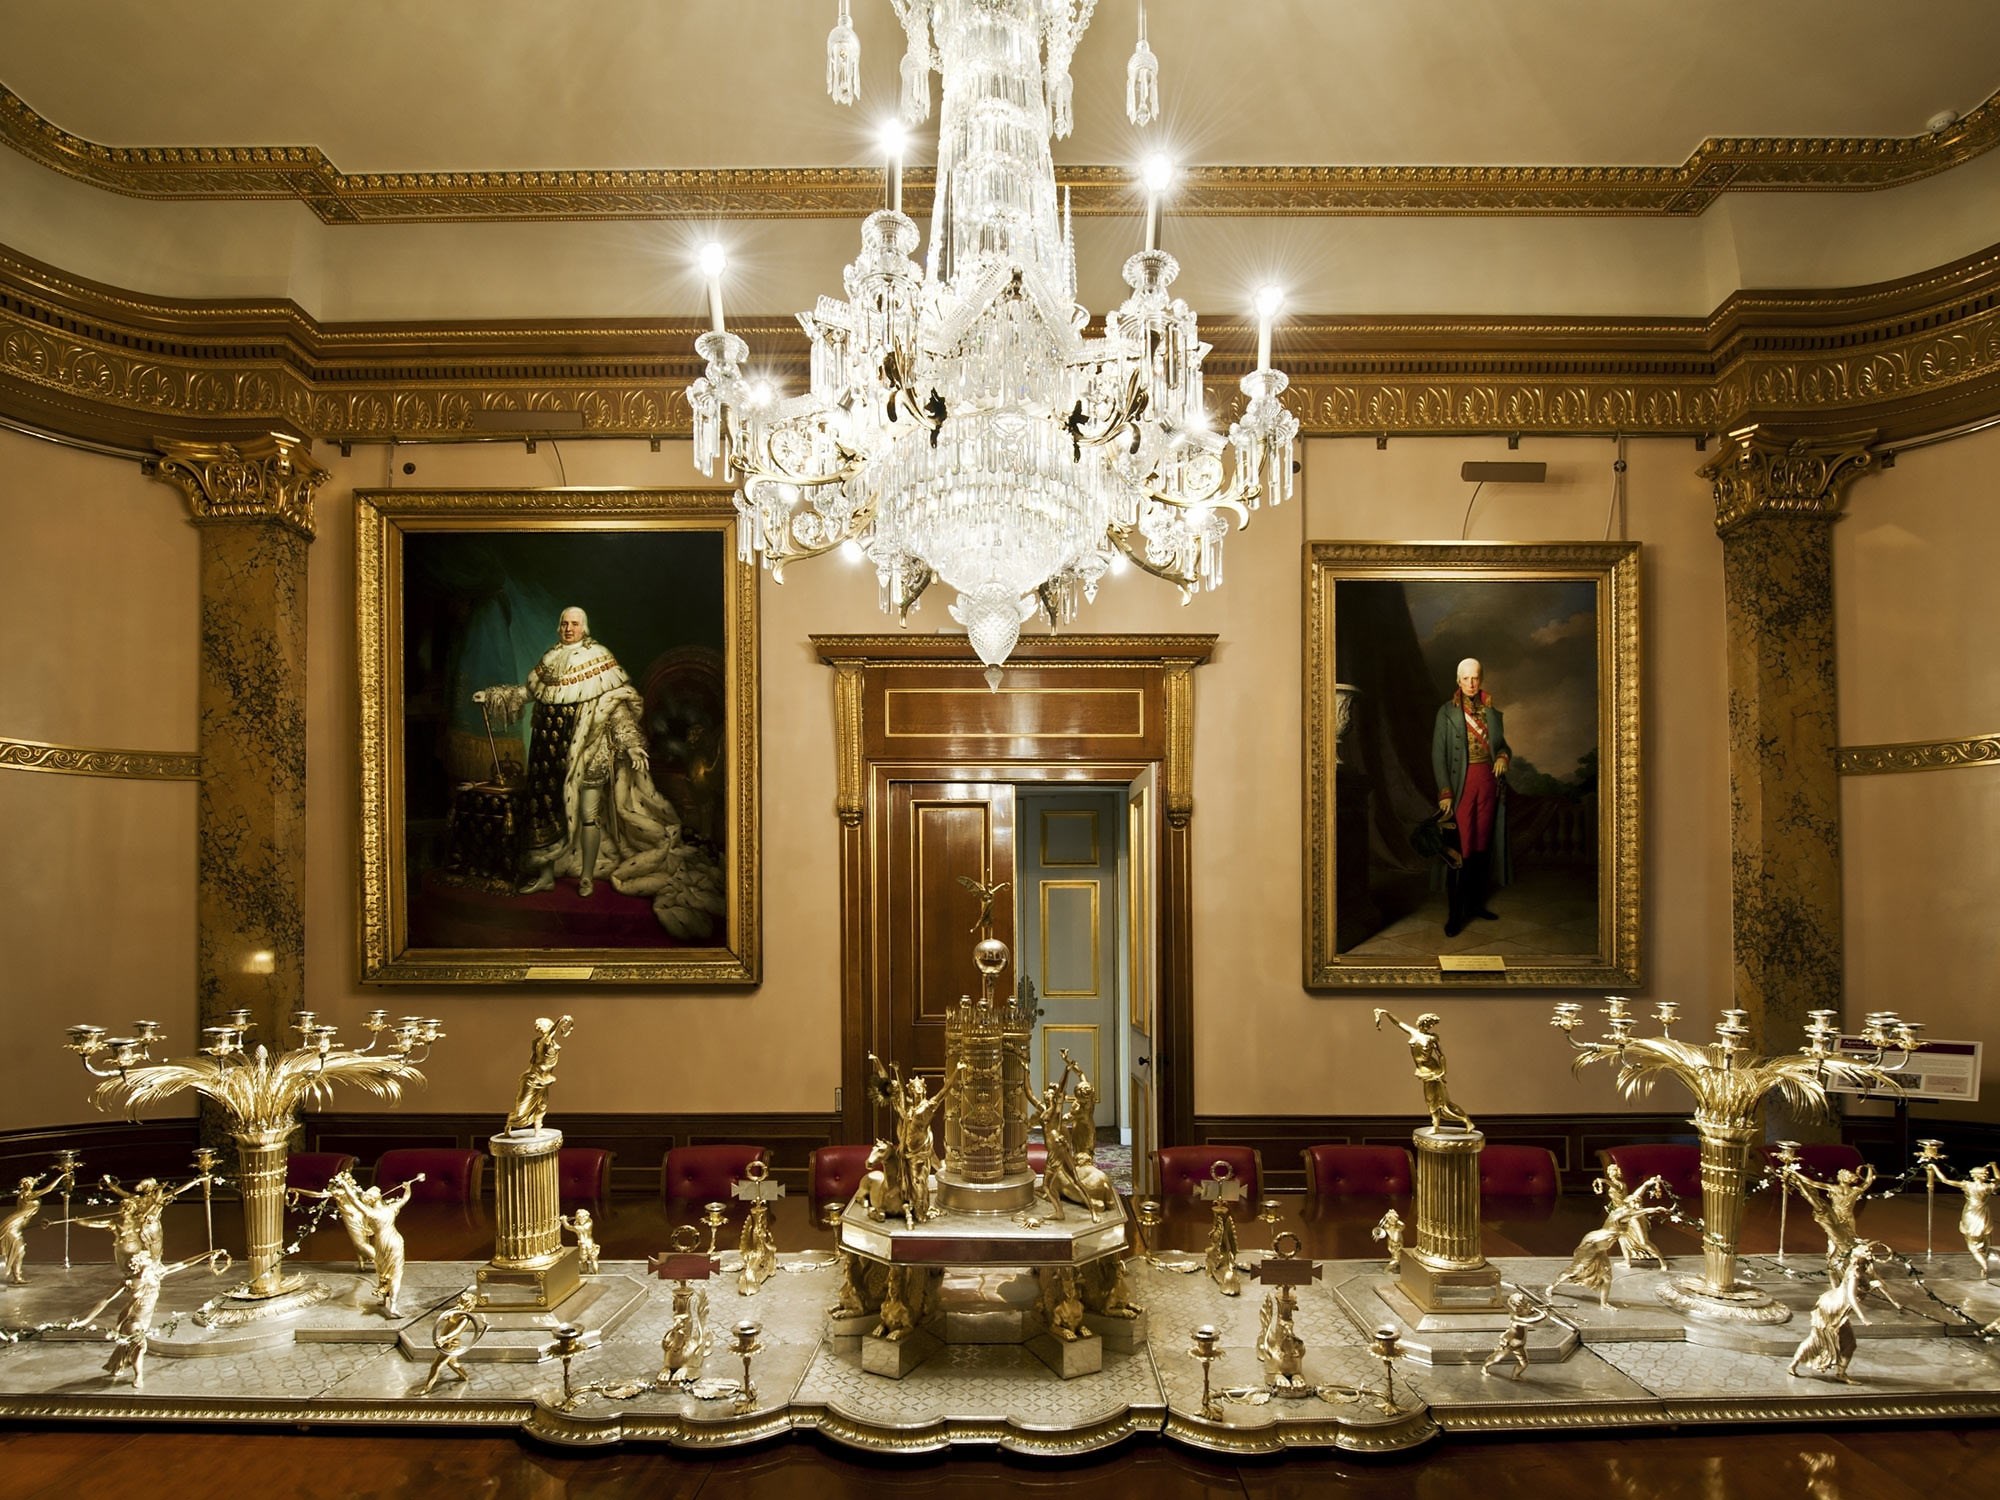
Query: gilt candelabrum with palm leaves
(1729, 1084)
(260, 1095)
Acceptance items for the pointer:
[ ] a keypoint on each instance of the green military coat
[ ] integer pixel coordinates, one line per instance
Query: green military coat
(1450, 756)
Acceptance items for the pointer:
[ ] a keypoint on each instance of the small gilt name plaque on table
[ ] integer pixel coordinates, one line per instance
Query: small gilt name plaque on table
(1471, 963)
(560, 971)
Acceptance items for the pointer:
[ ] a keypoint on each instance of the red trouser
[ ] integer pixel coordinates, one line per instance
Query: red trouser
(1475, 808)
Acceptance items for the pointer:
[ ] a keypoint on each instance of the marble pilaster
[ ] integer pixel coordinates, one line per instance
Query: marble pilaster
(253, 504)
(1776, 498)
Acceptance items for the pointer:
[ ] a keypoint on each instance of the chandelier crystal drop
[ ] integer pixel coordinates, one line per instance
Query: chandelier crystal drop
(964, 424)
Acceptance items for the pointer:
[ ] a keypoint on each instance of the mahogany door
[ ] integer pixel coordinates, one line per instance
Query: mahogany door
(928, 922)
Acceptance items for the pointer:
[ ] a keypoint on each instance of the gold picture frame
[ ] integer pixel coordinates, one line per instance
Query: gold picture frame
(1556, 628)
(461, 590)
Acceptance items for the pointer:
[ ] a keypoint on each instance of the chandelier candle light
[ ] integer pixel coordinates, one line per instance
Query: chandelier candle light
(1729, 1085)
(963, 424)
(260, 1094)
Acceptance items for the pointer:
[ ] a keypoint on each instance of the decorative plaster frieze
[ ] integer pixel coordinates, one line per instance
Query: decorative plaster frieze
(76, 760)
(1905, 359)
(1919, 755)
(304, 174)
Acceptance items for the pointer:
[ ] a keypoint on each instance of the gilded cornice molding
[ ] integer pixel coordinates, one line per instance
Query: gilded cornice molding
(76, 760)
(304, 174)
(1919, 755)
(268, 478)
(1068, 649)
(1763, 475)
(1905, 358)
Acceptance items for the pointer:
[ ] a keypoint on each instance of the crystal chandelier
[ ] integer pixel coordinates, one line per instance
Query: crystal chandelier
(964, 424)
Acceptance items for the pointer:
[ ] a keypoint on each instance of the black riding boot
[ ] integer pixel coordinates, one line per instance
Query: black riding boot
(1477, 885)
(1454, 892)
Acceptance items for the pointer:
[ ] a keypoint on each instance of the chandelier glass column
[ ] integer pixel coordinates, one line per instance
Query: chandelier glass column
(964, 423)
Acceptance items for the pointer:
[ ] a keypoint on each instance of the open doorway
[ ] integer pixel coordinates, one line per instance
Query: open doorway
(931, 759)
(1077, 919)
(1070, 863)
(1087, 915)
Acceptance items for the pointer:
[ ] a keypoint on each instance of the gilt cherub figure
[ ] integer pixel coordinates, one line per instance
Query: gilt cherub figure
(1389, 1231)
(458, 1328)
(1512, 1349)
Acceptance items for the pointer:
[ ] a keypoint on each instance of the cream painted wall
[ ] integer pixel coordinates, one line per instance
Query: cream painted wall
(1913, 569)
(94, 550)
(773, 1048)
(1263, 1045)
(99, 567)
(464, 85)
(237, 250)
(1913, 592)
(1332, 267)
(1833, 240)
(100, 918)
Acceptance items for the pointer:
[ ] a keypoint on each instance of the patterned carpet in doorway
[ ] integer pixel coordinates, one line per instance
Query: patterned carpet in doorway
(1115, 1161)
(1113, 1157)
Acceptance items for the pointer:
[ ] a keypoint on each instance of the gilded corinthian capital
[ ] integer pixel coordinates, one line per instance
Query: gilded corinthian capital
(1762, 472)
(267, 478)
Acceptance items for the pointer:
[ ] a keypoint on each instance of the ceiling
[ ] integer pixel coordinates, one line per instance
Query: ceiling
(688, 86)
(487, 85)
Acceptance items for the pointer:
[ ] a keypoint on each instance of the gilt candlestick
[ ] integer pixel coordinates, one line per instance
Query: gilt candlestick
(1729, 1084)
(67, 1162)
(1787, 1156)
(259, 1094)
(1929, 1154)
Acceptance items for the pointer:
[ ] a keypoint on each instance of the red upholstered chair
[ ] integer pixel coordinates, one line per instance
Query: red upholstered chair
(836, 1172)
(1518, 1172)
(311, 1171)
(1349, 1171)
(451, 1175)
(583, 1174)
(1182, 1168)
(1678, 1166)
(703, 1174)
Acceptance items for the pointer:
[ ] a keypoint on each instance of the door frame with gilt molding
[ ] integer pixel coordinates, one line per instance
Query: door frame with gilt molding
(1070, 708)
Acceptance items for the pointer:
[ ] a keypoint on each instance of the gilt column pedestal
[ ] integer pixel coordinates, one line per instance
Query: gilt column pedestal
(531, 1267)
(1447, 1271)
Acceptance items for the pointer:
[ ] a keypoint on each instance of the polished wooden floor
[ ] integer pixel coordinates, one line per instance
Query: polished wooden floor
(1858, 1460)
(1859, 1463)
